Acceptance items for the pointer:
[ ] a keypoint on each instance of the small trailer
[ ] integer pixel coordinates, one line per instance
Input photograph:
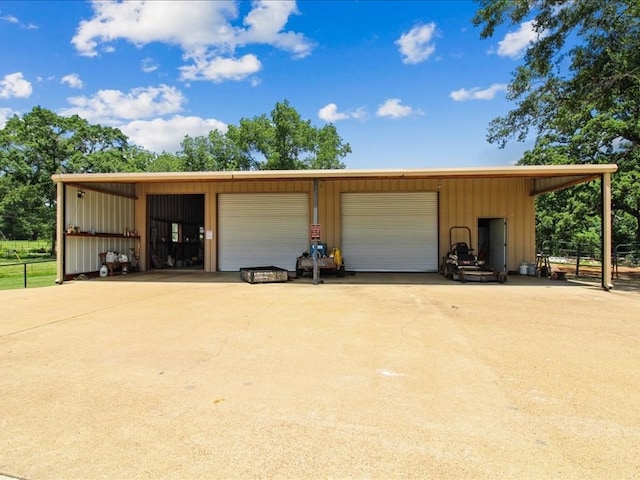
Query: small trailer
(332, 263)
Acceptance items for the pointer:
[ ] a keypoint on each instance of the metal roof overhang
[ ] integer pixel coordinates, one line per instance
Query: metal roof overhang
(546, 178)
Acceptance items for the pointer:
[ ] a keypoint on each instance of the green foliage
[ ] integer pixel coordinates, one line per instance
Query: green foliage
(36, 146)
(281, 141)
(578, 90)
(215, 152)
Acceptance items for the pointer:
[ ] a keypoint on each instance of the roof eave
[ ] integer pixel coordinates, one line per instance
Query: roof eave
(537, 171)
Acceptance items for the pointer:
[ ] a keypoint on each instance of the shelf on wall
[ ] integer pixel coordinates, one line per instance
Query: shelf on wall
(101, 234)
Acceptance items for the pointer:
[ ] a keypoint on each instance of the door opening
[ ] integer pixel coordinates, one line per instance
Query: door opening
(492, 243)
(176, 226)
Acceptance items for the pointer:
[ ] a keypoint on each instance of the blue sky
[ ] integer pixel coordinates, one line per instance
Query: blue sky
(408, 84)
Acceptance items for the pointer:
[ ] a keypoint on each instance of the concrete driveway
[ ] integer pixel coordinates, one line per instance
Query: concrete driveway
(373, 376)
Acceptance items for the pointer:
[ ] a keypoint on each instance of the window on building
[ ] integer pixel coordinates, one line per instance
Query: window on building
(176, 232)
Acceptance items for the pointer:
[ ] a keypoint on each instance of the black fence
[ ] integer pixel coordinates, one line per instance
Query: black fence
(27, 274)
(626, 255)
(580, 255)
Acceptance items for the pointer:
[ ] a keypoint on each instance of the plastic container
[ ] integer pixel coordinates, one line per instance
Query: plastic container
(524, 268)
(531, 269)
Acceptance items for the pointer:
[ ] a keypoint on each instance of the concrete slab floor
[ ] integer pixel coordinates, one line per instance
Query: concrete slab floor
(177, 375)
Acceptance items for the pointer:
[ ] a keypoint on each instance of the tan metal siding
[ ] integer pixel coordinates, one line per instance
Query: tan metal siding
(461, 202)
(273, 186)
(329, 213)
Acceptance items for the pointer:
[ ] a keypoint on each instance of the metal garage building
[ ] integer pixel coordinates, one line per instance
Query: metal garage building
(384, 220)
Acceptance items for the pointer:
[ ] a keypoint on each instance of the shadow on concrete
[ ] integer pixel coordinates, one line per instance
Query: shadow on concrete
(353, 278)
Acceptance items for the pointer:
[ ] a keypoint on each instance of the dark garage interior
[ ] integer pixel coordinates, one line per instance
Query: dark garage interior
(176, 231)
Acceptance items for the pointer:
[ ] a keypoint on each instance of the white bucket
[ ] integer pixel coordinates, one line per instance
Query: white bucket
(523, 269)
(111, 257)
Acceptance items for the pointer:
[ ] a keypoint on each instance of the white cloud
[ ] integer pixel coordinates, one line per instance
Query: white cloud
(149, 65)
(15, 21)
(5, 114)
(204, 30)
(329, 113)
(73, 80)
(265, 23)
(416, 45)
(139, 114)
(14, 85)
(9, 18)
(515, 43)
(477, 93)
(220, 69)
(187, 24)
(160, 135)
(109, 106)
(392, 108)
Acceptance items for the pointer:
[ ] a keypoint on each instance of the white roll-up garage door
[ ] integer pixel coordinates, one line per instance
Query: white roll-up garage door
(390, 232)
(262, 229)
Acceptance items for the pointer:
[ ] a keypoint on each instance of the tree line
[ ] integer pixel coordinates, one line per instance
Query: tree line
(40, 143)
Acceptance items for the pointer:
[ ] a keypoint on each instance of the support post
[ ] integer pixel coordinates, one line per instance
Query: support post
(316, 271)
(605, 185)
(60, 208)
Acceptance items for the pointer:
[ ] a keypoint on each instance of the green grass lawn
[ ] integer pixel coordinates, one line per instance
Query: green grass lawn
(36, 254)
(40, 274)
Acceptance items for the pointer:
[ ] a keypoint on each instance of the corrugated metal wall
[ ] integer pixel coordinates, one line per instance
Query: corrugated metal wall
(104, 213)
(186, 208)
(462, 202)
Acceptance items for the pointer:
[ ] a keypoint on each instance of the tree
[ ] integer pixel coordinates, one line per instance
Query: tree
(281, 141)
(215, 152)
(36, 146)
(578, 89)
(162, 162)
